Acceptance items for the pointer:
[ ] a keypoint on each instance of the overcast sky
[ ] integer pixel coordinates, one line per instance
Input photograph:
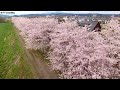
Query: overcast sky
(81, 12)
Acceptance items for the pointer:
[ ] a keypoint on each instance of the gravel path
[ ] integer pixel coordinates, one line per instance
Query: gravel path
(39, 67)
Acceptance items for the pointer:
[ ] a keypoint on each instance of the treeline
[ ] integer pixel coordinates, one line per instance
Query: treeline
(4, 20)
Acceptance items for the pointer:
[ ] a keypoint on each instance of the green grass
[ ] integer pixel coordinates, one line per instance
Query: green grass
(13, 64)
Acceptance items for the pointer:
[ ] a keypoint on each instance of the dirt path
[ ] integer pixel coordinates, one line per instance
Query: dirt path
(40, 68)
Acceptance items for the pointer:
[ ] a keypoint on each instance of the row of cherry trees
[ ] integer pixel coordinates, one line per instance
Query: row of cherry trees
(35, 31)
(74, 52)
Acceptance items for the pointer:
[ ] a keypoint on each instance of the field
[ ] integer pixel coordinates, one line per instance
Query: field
(13, 62)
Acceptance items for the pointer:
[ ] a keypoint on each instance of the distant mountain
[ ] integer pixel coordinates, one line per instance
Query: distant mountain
(58, 13)
(4, 16)
(45, 14)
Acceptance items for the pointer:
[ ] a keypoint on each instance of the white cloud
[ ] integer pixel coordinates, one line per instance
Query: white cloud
(80, 12)
(27, 12)
(100, 12)
(30, 12)
(76, 11)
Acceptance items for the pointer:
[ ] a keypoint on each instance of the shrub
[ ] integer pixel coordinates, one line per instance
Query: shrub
(2, 20)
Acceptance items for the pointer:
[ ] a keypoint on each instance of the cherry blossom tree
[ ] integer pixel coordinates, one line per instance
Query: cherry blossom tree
(35, 30)
(74, 52)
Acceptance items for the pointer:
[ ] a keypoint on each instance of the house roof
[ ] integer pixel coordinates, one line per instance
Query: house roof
(91, 23)
(83, 23)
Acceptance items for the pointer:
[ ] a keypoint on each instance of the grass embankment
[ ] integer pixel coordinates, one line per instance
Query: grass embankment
(13, 62)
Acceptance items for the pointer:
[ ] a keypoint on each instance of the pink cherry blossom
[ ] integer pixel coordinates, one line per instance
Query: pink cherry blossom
(75, 52)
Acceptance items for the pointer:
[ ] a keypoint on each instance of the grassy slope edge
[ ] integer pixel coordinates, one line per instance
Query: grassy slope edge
(12, 58)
